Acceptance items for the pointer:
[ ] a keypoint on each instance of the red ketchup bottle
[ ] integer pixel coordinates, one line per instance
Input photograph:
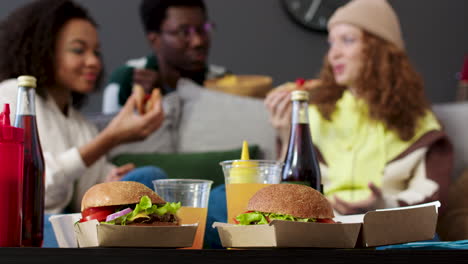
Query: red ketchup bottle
(11, 181)
(462, 92)
(34, 167)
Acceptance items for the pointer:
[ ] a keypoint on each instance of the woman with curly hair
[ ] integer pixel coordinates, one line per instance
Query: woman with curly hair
(57, 42)
(379, 143)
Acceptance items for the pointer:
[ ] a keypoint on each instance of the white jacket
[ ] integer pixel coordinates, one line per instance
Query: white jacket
(67, 177)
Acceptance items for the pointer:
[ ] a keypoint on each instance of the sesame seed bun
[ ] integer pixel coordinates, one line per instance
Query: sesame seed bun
(292, 199)
(144, 104)
(118, 193)
(154, 99)
(140, 98)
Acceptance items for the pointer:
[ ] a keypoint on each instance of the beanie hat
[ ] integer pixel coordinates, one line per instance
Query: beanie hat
(374, 16)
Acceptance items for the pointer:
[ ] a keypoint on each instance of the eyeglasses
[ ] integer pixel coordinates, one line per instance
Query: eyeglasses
(185, 32)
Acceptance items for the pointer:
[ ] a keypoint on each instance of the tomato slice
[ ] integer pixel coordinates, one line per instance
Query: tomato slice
(327, 221)
(98, 213)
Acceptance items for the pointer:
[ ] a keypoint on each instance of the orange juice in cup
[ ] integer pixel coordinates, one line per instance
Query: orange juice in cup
(193, 215)
(238, 195)
(244, 177)
(193, 194)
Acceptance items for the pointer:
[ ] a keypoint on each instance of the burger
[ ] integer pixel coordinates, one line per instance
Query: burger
(289, 202)
(127, 203)
(145, 102)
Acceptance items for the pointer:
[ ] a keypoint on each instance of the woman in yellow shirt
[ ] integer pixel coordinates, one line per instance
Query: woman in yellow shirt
(378, 141)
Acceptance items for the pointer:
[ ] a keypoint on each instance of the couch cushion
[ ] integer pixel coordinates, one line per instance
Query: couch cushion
(213, 121)
(199, 165)
(454, 118)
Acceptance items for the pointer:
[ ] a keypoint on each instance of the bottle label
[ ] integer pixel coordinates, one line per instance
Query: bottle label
(302, 116)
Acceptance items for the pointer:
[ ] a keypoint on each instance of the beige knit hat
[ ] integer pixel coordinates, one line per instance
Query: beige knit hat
(374, 16)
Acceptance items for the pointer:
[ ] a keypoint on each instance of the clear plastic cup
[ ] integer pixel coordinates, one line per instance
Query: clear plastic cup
(193, 194)
(243, 178)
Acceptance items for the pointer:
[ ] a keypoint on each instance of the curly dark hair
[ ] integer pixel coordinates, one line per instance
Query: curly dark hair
(153, 12)
(28, 38)
(389, 84)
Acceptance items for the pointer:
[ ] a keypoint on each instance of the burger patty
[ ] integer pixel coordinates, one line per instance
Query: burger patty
(158, 218)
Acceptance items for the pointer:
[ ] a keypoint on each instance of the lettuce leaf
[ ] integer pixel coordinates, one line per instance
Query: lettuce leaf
(253, 217)
(259, 218)
(145, 208)
(168, 208)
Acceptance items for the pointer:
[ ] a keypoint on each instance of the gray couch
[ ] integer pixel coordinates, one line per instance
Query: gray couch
(202, 120)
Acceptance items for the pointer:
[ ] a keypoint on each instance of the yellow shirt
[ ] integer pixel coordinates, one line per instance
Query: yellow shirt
(356, 148)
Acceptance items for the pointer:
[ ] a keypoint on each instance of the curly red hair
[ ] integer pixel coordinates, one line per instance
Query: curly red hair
(389, 84)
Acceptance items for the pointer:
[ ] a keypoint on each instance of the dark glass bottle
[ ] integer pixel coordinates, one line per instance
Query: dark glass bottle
(34, 167)
(301, 165)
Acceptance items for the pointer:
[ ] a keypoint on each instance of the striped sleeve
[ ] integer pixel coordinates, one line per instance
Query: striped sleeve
(434, 170)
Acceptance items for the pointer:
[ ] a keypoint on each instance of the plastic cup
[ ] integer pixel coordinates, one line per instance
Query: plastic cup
(243, 178)
(193, 195)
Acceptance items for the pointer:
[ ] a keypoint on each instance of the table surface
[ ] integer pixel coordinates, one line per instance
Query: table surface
(257, 256)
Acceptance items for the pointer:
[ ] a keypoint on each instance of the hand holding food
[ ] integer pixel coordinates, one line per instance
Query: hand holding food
(300, 83)
(278, 104)
(291, 202)
(128, 126)
(145, 102)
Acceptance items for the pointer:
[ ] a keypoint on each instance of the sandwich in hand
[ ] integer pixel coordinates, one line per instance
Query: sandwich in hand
(290, 202)
(145, 102)
(127, 203)
(300, 84)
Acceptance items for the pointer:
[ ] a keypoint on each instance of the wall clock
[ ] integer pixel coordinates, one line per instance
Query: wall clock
(312, 14)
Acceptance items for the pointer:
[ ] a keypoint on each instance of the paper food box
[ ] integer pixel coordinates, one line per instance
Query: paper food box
(375, 228)
(94, 234)
(62, 224)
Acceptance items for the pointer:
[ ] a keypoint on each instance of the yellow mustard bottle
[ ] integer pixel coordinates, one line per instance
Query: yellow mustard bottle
(244, 170)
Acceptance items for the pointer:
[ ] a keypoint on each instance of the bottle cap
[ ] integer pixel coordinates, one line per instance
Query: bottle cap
(27, 81)
(299, 95)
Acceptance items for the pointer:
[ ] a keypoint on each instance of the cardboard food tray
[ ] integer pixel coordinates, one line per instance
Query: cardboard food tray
(386, 227)
(289, 234)
(375, 228)
(94, 234)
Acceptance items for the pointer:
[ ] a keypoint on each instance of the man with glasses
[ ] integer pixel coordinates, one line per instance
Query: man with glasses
(179, 34)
